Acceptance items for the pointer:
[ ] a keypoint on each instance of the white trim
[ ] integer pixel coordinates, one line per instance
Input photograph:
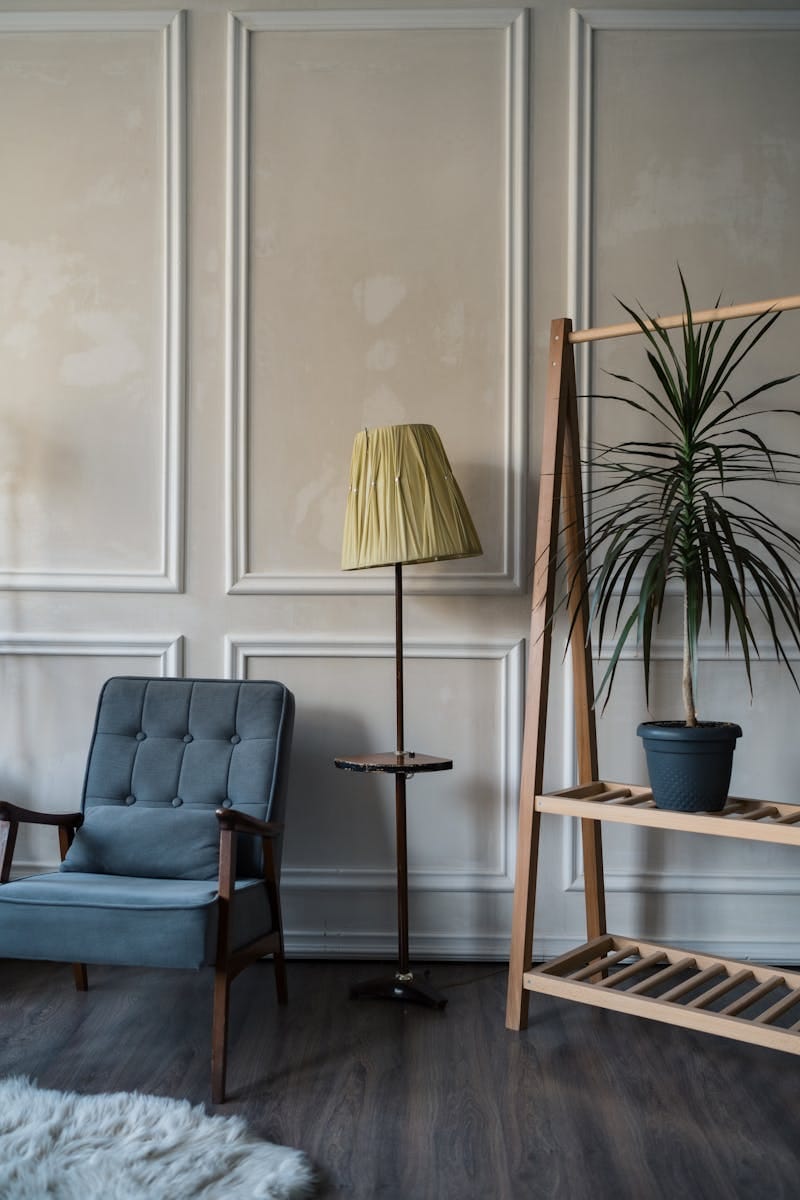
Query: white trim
(711, 649)
(168, 577)
(167, 648)
(175, 233)
(237, 300)
(86, 22)
(494, 947)
(690, 19)
(510, 656)
(714, 883)
(510, 578)
(356, 20)
(382, 944)
(761, 950)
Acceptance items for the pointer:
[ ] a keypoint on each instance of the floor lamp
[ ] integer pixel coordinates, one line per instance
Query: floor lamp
(403, 506)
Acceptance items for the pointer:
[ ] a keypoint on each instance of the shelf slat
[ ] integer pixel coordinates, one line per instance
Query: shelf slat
(629, 804)
(608, 991)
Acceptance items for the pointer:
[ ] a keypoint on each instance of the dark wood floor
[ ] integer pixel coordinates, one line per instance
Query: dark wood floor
(396, 1103)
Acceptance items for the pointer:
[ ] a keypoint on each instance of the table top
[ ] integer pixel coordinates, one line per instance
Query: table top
(408, 763)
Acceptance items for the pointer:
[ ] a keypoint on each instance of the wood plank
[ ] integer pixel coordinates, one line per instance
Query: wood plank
(614, 942)
(584, 954)
(755, 814)
(658, 818)
(743, 1002)
(636, 968)
(538, 677)
(671, 1014)
(704, 316)
(580, 645)
(674, 968)
(596, 789)
(617, 796)
(603, 964)
(689, 985)
(721, 989)
(779, 1007)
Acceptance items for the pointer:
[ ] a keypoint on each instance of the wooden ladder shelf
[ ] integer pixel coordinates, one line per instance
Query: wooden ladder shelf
(734, 999)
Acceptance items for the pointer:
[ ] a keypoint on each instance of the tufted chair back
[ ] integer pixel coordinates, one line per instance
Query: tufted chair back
(164, 755)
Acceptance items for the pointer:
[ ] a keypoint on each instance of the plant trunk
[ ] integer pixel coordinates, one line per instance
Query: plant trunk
(688, 681)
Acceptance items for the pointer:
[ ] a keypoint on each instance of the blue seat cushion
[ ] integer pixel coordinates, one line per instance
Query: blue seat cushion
(155, 843)
(124, 921)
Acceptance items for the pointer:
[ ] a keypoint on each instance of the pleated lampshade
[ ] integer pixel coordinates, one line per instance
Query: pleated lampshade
(403, 504)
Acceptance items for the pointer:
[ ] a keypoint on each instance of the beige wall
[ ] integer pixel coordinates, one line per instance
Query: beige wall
(226, 244)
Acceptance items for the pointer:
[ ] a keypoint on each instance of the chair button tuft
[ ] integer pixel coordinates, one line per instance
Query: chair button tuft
(187, 737)
(177, 802)
(227, 803)
(235, 739)
(141, 735)
(130, 799)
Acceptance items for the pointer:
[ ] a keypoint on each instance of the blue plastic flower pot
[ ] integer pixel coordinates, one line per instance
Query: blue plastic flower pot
(689, 767)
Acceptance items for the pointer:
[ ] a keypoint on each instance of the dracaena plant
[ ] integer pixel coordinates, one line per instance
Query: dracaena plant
(678, 508)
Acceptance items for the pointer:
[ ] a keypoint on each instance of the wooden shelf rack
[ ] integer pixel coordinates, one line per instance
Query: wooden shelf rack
(699, 991)
(714, 995)
(738, 1000)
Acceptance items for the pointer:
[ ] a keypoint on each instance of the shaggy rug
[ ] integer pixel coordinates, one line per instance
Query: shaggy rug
(62, 1146)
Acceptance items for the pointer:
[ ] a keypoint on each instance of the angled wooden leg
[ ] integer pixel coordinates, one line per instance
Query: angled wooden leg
(594, 885)
(222, 969)
(583, 682)
(80, 977)
(593, 879)
(544, 576)
(271, 880)
(219, 1035)
(524, 903)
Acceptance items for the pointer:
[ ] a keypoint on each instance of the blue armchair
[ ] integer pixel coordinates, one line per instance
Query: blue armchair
(174, 858)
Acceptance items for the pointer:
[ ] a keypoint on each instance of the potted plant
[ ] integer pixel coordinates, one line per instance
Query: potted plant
(676, 509)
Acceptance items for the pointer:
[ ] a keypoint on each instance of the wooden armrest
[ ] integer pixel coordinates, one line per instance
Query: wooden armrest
(240, 822)
(15, 814)
(12, 816)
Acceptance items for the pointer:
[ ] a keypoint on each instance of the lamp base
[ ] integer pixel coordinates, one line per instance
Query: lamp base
(408, 988)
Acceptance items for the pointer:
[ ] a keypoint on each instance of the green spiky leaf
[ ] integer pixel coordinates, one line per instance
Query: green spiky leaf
(674, 509)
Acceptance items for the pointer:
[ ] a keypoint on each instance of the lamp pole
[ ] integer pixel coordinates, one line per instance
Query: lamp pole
(403, 984)
(403, 972)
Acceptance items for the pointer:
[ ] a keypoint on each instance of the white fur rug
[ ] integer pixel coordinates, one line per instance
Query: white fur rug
(62, 1146)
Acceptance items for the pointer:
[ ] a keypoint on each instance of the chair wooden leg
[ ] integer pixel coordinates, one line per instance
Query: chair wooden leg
(281, 983)
(80, 977)
(219, 1035)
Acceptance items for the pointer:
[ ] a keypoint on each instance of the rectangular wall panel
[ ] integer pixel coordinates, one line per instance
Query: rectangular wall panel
(91, 300)
(378, 215)
(340, 826)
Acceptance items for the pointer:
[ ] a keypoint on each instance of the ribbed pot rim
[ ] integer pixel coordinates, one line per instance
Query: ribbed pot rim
(677, 731)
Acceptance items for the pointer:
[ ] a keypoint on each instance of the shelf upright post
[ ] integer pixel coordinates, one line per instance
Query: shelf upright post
(559, 481)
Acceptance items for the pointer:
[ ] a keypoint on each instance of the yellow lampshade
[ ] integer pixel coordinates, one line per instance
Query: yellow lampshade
(403, 504)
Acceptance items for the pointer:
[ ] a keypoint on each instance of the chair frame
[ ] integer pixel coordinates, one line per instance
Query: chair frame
(227, 964)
